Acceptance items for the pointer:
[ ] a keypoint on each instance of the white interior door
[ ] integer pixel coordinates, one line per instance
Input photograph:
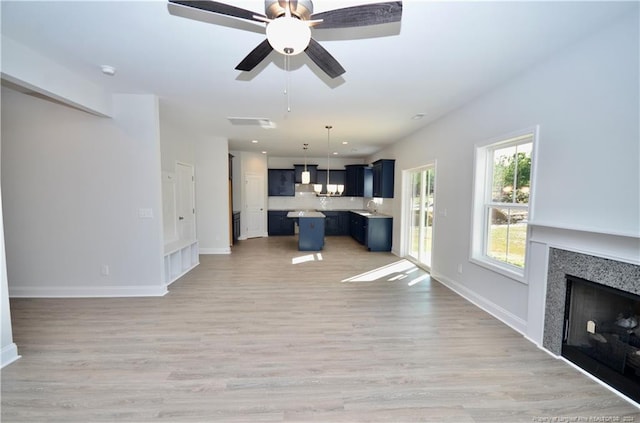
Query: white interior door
(255, 212)
(185, 202)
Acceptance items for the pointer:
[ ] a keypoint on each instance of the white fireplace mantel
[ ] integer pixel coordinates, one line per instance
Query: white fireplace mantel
(619, 247)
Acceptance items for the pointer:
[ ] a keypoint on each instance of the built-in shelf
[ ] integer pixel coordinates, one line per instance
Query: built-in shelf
(179, 257)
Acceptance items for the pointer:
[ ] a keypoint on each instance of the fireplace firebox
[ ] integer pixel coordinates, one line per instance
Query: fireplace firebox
(601, 333)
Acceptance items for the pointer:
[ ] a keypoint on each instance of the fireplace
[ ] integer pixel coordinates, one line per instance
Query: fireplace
(602, 333)
(587, 279)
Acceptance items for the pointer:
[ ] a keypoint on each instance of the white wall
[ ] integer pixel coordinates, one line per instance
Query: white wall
(288, 162)
(209, 155)
(28, 68)
(73, 186)
(176, 142)
(585, 100)
(212, 195)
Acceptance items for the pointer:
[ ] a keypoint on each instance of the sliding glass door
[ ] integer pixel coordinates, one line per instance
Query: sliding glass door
(421, 207)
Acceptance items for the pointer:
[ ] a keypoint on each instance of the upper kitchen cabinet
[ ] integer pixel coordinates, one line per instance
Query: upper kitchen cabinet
(383, 171)
(281, 182)
(359, 181)
(336, 176)
(313, 170)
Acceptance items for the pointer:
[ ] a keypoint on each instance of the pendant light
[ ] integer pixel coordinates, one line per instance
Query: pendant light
(306, 175)
(332, 189)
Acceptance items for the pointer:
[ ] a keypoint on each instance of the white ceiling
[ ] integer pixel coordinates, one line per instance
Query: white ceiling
(442, 55)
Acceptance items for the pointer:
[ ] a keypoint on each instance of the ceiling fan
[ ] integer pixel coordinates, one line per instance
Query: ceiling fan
(289, 24)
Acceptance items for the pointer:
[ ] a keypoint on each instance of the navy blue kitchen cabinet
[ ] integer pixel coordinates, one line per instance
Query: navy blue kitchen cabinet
(383, 171)
(357, 227)
(311, 233)
(336, 223)
(279, 223)
(375, 233)
(379, 230)
(359, 181)
(281, 182)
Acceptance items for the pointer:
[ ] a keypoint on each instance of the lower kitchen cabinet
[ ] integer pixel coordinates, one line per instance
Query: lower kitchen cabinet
(357, 227)
(375, 233)
(236, 226)
(279, 223)
(379, 232)
(311, 236)
(336, 223)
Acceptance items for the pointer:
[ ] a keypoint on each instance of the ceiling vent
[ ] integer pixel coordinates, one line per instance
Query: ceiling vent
(244, 121)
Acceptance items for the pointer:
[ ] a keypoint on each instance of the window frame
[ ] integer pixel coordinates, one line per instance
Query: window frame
(482, 202)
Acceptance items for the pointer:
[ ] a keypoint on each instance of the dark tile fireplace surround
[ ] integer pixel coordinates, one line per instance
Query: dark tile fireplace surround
(606, 272)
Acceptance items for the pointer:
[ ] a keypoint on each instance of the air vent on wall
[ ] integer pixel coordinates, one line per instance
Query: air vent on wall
(244, 121)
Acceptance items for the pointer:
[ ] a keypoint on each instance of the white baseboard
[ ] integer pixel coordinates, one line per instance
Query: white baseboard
(244, 237)
(9, 354)
(516, 323)
(225, 250)
(86, 291)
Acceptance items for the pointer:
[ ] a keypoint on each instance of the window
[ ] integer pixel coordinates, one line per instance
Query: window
(501, 203)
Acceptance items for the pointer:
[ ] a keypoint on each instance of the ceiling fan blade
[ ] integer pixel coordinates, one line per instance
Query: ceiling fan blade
(256, 56)
(220, 8)
(364, 15)
(323, 59)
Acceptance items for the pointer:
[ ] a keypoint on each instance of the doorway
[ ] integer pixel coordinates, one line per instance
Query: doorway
(421, 204)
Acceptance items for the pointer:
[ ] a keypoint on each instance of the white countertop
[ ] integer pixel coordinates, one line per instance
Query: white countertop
(305, 213)
(371, 215)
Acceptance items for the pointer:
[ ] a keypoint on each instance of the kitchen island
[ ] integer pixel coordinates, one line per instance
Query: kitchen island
(311, 229)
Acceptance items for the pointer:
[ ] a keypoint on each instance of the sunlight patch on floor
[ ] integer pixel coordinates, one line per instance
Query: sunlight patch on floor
(306, 258)
(397, 271)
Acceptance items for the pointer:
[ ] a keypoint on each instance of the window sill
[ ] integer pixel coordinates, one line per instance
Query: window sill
(505, 270)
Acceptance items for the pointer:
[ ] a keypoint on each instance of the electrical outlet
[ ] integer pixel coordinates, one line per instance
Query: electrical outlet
(460, 268)
(104, 270)
(591, 326)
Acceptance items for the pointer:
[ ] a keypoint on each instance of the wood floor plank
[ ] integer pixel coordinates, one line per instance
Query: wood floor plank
(253, 337)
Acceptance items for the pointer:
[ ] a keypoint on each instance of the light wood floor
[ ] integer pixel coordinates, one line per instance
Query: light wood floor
(252, 337)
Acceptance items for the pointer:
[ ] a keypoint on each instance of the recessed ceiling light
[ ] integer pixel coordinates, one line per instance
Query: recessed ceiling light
(108, 70)
(345, 142)
(264, 152)
(335, 153)
(418, 116)
(254, 141)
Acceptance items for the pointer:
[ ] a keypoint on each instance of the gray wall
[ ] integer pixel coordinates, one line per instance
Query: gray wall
(73, 185)
(585, 100)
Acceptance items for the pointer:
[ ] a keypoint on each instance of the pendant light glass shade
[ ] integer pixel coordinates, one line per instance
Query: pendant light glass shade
(317, 188)
(306, 177)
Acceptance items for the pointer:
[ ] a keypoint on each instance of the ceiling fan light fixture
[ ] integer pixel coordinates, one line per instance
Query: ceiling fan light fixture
(288, 35)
